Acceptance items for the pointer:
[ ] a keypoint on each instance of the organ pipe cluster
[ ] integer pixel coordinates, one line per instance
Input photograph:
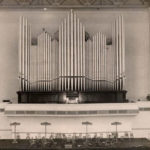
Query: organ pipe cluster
(96, 67)
(118, 46)
(72, 54)
(44, 66)
(72, 62)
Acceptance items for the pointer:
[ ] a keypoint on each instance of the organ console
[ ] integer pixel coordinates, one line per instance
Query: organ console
(72, 63)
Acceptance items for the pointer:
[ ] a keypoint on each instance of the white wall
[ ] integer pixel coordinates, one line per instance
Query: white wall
(5, 129)
(141, 124)
(137, 44)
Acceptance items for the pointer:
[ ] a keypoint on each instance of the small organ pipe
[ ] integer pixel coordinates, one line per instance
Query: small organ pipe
(113, 48)
(123, 52)
(59, 58)
(89, 64)
(50, 69)
(120, 51)
(100, 55)
(83, 38)
(117, 58)
(48, 60)
(102, 63)
(68, 49)
(86, 63)
(41, 61)
(25, 56)
(81, 60)
(46, 55)
(46, 81)
(55, 59)
(62, 56)
(105, 62)
(78, 50)
(40, 69)
(75, 52)
(93, 69)
(37, 63)
(105, 57)
(65, 60)
(44, 61)
(99, 60)
(95, 57)
(28, 57)
(48, 46)
(20, 53)
(97, 48)
(22, 56)
(23, 51)
(71, 19)
(94, 61)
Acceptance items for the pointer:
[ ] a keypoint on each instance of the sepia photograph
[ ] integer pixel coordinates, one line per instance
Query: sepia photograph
(74, 74)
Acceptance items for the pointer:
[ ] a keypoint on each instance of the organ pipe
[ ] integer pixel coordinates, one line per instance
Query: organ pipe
(119, 48)
(78, 52)
(123, 52)
(75, 52)
(68, 52)
(60, 58)
(64, 55)
(20, 53)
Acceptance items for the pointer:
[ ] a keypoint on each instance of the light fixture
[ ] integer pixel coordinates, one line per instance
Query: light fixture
(44, 8)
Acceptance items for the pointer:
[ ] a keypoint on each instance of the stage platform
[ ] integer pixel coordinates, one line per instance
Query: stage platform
(67, 119)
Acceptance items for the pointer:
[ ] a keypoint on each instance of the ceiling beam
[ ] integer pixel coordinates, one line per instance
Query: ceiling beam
(30, 4)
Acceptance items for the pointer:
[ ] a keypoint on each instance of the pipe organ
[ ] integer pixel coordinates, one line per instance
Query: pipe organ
(72, 62)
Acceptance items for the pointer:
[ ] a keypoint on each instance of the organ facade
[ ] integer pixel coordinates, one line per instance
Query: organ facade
(72, 66)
